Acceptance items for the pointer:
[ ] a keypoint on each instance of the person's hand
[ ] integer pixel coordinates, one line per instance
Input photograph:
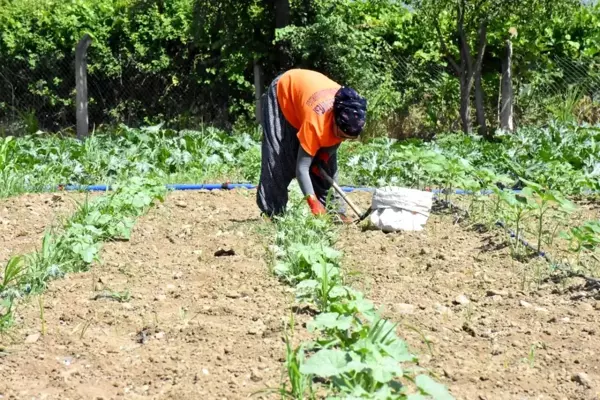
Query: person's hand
(315, 205)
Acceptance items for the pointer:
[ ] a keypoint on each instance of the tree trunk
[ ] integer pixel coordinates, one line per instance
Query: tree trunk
(506, 91)
(258, 90)
(466, 69)
(479, 93)
(480, 106)
(465, 102)
(282, 13)
(282, 19)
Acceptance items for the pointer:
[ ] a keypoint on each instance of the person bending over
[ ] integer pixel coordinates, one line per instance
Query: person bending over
(306, 116)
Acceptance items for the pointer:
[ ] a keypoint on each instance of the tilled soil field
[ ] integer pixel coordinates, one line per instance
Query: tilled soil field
(188, 309)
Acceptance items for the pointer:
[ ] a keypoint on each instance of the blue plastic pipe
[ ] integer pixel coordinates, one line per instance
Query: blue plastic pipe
(200, 186)
(231, 186)
(211, 186)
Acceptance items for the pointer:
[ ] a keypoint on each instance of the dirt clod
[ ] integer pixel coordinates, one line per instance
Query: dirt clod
(256, 376)
(583, 379)
(461, 300)
(225, 253)
(404, 309)
(33, 338)
(525, 304)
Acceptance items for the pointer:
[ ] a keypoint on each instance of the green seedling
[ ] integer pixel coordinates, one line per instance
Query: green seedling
(454, 174)
(357, 353)
(584, 238)
(300, 384)
(518, 208)
(541, 201)
(8, 286)
(531, 356)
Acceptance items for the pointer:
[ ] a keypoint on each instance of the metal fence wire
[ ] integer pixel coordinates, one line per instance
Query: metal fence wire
(41, 95)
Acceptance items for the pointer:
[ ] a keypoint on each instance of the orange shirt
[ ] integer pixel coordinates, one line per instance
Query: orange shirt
(306, 99)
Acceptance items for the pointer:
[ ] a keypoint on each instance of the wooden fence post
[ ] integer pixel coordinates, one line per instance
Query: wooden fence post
(81, 86)
(506, 90)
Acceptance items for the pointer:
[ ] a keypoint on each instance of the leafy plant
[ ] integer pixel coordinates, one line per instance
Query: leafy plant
(357, 353)
(541, 202)
(582, 239)
(77, 245)
(518, 206)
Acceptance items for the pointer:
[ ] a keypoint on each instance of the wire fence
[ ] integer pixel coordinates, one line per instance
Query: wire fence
(541, 89)
(41, 97)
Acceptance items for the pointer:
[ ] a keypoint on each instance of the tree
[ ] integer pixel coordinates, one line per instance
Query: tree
(462, 21)
(464, 29)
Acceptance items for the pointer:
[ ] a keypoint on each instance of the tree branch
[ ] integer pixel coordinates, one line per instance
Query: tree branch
(481, 44)
(447, 54)
(465, 50)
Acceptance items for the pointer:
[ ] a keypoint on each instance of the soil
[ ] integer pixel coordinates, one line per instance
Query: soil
(24, 219)
(495, 330)
(162, 317)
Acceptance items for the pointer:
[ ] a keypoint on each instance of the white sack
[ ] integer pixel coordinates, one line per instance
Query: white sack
(400, 209)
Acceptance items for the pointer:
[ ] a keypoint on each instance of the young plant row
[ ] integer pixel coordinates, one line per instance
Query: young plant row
(356, 354)
(76, 245)
(34, 163)
(560, 157)
(533, 219)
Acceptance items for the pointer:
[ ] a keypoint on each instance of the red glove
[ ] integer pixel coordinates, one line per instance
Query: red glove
(315, 205)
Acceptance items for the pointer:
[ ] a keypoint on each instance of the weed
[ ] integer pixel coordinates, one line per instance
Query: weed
(531, 355)
(10, 281)
(541, 201)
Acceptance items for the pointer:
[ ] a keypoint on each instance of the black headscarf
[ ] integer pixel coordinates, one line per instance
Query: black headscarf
(350, 111)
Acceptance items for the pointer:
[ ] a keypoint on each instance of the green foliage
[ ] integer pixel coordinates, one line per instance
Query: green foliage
(186, 61)
(142, 62)
(559, 157)
(187, 156)
(584, 243)
(10, 277)
(541, 202)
